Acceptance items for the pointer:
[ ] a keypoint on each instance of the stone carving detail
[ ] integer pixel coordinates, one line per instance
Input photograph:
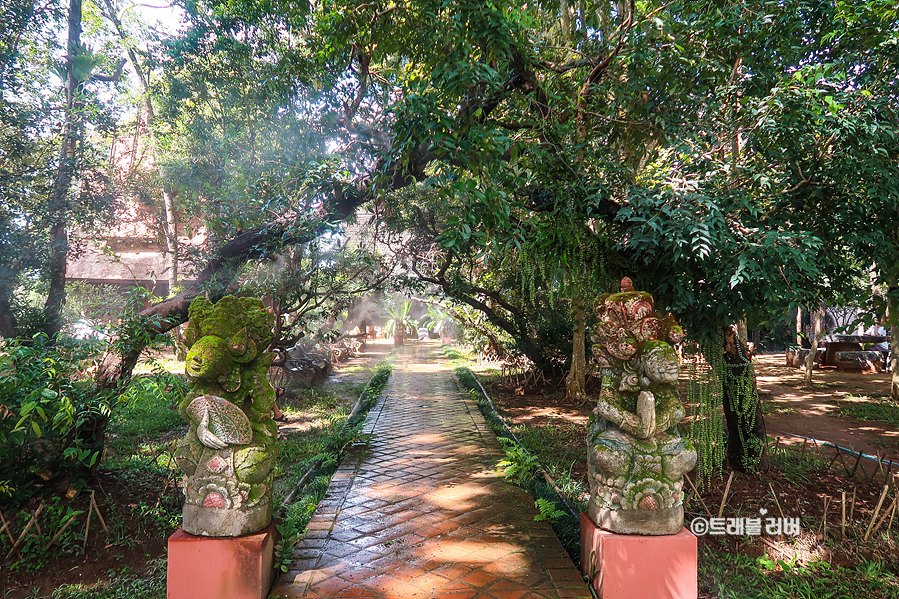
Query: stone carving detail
(637, 459)
(229, 451)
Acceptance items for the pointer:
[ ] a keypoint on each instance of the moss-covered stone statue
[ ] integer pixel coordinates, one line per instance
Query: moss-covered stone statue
(637, 460)
(228, 454)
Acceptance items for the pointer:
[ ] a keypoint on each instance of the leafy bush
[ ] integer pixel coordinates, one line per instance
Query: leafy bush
(52, 420)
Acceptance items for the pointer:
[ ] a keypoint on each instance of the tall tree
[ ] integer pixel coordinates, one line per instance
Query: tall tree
(112, 12)
(817, 332)
(43, 151)
(77, 69)
(712, 149)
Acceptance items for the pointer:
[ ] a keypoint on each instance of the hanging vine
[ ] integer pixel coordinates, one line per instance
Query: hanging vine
(704, 402)
(712, 382)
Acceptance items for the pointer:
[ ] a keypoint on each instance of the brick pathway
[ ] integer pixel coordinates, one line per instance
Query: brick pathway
(420, 511)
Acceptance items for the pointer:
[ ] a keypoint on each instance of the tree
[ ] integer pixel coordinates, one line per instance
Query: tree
(111, 11)
(706, 147)
(79, 68)
(43, 151)
(817, 331)
(311, 283)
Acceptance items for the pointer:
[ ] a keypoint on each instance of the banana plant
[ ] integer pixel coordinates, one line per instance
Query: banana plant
(439, 321)
(400, 324)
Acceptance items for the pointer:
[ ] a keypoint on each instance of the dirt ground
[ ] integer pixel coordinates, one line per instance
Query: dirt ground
(796, 409)
(131, 543)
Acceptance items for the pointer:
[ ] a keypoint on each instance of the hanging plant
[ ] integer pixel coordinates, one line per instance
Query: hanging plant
(704, 401)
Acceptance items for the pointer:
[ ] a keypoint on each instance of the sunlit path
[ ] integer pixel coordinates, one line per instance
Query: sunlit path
(420, 510)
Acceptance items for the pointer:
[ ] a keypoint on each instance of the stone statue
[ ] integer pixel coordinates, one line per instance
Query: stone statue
(637, 460)
(228, 454)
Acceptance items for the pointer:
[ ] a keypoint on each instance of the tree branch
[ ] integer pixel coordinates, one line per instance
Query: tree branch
(598, 70)
(220, 272)
(114, 77)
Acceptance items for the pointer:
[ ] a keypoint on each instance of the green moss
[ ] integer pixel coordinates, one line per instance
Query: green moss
(625, 296)
(226, 359)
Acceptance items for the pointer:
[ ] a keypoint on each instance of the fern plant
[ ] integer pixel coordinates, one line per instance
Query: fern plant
(519, 465)
(548, 511)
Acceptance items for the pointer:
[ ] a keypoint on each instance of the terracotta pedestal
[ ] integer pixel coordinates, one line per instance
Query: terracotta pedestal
(639, 566)
(221, 567)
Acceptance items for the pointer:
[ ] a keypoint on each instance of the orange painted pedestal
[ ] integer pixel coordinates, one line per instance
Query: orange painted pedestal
(639, 566)
(221, 567)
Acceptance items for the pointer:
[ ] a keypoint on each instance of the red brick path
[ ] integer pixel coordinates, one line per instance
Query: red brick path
(421, 512)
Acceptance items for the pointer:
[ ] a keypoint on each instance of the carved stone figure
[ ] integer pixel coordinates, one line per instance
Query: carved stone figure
(637, 460)
(228, 454)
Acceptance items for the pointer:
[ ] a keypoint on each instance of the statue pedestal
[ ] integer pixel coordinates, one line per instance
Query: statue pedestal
(221, 567)
(639, 566)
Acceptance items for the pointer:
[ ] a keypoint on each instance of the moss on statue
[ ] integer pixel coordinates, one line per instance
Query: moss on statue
(227, 476)
(637, 459)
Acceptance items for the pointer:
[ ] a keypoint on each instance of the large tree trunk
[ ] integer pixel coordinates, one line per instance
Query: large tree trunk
(817, 331)
(747, 447)
(171, 244)
(575, 383)
(59, 240)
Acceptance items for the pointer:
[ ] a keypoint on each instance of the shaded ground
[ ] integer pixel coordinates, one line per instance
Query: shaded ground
(792, 408)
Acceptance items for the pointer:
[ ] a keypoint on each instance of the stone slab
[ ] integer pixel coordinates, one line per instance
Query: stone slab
(221, 567)
(639, 566)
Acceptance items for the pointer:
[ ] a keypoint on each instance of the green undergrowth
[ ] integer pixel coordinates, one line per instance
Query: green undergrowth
(145, 422)
(121, 586)
(145, 500)
(775, 407)
(737, 576)
(322, 448)
(795, 465)
(550, 443)
(865, 408)
(522, 465)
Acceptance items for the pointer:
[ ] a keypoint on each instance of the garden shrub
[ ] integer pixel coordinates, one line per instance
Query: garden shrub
(52, 419)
